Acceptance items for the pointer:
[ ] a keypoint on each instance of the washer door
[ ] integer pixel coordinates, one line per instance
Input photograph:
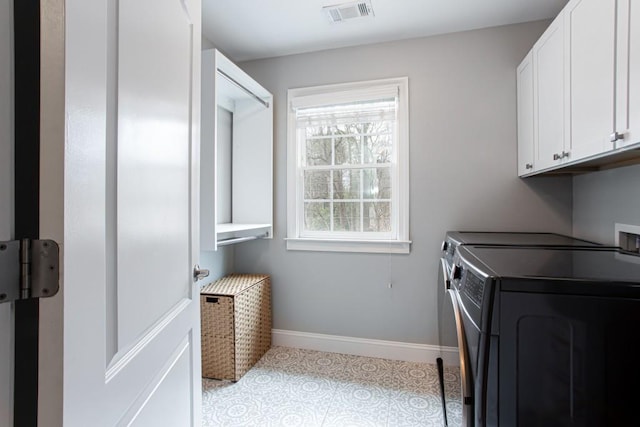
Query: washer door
(451, 334)
(446, 318)
(466, 375)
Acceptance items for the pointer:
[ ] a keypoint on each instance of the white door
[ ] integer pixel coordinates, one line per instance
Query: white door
(590, 32)
(549, 96)
(628, 73)
(131, 307)
(6, 203)
(524, 79)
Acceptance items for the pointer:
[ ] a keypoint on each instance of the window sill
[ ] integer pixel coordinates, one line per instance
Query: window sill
(363, 246)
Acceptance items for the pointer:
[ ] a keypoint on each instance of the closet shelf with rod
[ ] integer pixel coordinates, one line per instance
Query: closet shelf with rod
(236, 172)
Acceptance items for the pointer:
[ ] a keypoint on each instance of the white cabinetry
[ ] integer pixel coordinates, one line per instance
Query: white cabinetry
(586, 89)
(590, 31)
(525, 116)
(550, 141)
(236, 175)
(628, 74)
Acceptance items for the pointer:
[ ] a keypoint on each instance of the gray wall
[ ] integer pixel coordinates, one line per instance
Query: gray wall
(463, 176)
(601, 199)
(219, 263)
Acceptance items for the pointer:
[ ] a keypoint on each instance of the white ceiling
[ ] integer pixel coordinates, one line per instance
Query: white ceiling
(251, 29)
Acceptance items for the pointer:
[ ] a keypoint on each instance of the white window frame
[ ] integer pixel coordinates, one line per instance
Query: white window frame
(333, 94)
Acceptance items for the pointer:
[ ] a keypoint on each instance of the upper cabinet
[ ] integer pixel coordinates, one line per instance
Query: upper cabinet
(590, 32)
(236, 172)
(525, 116)
(548, 56)
(627, 130)
(586, 89)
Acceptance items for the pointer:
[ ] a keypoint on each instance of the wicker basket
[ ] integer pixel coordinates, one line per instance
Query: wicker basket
(236, 324)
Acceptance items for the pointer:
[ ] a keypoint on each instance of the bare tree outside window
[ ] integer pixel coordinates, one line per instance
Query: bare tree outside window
(347, 164)
(348, 167)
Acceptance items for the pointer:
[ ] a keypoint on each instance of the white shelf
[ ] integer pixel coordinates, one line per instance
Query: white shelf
(233, 230)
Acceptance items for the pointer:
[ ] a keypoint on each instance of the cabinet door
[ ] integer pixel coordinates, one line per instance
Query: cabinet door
(590, 27)
(524, 79)
(549, 96)
(628, 73)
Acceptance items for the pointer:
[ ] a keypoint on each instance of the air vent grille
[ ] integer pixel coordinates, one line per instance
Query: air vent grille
(352, 10)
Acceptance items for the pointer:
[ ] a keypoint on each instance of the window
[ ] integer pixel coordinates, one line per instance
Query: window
(348, 177)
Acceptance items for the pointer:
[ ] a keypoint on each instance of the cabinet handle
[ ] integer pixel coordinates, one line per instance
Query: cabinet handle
(528, 166)
(616, 136)
(564, 154)
(556, 156)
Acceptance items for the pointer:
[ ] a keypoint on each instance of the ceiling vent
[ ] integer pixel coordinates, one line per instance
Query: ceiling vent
(351, 10)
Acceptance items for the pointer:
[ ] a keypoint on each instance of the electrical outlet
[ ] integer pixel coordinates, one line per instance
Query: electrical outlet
(628, 237)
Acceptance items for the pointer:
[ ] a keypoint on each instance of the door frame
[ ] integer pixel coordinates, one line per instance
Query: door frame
(6, 203)
(26, 15)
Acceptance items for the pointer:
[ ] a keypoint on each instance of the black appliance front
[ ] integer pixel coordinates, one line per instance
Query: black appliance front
(559, 343)
(452, 322)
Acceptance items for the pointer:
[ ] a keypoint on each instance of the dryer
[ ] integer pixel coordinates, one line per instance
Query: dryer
(550, 334)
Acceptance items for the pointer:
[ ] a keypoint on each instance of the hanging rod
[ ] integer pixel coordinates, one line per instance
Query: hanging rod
(231, 241)
(235, 82)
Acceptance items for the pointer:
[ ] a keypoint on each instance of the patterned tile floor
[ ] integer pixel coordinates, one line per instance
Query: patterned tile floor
(294, 387)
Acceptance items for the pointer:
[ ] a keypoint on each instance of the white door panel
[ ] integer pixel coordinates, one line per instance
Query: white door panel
(628, 117)
(153, 155)
(169, 397)
(131, 333)
(6, 202)
(549, 90)
(524, 74)
(591, 50)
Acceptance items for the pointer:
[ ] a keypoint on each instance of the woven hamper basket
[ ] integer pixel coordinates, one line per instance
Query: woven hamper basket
(236, 324)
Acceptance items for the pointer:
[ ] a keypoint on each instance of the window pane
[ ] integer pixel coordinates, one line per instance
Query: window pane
(377, 183)
(312, 131)
(377, 216)
(317, 216)
(348, 150)
(318, 151)
(346, 216)
(377, 148)
(316, 184)
(346, 184)
(381, 126)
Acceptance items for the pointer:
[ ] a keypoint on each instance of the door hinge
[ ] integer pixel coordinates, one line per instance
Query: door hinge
(28, 269)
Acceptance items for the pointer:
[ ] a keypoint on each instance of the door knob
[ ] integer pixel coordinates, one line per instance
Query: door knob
(200, 273)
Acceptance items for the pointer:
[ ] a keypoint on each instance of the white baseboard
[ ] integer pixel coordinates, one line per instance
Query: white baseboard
(366, 347)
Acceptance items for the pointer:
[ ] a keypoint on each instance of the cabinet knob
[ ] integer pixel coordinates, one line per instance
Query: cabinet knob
(616, 136)
(528, 166)
(564, 154)
(556, 156)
